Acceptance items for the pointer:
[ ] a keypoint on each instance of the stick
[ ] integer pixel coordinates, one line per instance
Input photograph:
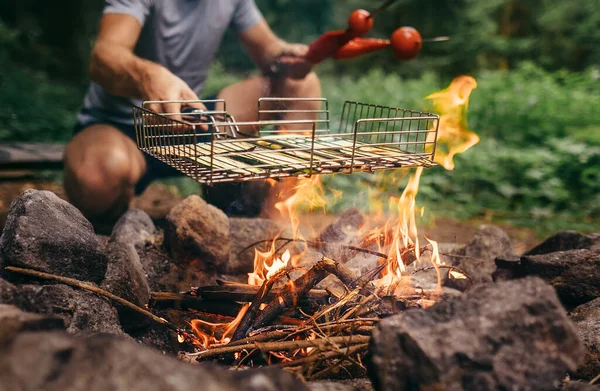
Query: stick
(82, 285)
(245, 293)
(445, 267)
(345, 275)
(164, 300)
(248, 318)
(288, 297)
(324, 356)
(283, 345)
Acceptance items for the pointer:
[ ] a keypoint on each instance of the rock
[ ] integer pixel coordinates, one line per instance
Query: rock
(81, 311)
(344, 231)
(579, 386)
(567, 240)
(157, 337)
(244, 232)
(7, 292)
(509, 335)
(135, 227)
(329, 386)
(575, 274)
(103, 362)
(48, 234)
(195, 230)
(587, 322)
(13, 320)
(125, 278)
(476, 258)
(242, 199)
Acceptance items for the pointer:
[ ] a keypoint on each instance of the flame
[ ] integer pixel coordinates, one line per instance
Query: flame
(399, 237)
(453, 135)
(307, 190)
(400, 233)
(266, 264)
(207, 331)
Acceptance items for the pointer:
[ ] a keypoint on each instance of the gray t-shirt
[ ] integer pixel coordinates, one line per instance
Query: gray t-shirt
(182, 35)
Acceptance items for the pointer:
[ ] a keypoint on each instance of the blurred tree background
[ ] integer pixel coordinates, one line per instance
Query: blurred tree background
(536, 108)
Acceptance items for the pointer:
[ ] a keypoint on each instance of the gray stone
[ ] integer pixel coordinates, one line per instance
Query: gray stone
(7, 292)
(575, 274)
(587, 322)
(13, 321)
(125, 278)
(477, 257)
(244, 232)
(197, 230)
(344, 231)
(135, 227)
(102, 362)
(509, 335)
(81, 311)
(48, 234)
(329, 386)
(567, 240)
(579, 386)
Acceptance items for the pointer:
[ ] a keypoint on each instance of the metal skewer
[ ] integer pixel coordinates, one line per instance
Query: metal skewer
(436, 39)
(381, 8)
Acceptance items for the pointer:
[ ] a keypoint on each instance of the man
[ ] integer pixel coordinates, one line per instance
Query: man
(162, 50)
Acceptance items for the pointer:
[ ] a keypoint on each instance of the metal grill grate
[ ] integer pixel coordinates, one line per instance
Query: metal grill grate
(368, 138)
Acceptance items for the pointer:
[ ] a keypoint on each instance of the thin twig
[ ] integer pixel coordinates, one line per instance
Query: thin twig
(92, 288)
(282, 345)
(323, 356)
(444, 267)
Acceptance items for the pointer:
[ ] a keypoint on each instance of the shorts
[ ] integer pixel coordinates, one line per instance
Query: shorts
(155, 169)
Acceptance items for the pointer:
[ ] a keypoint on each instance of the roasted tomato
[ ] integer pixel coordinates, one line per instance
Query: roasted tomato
(360, 22)
(406, 43)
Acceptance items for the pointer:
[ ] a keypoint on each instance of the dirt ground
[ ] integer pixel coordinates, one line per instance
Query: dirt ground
(159, 199)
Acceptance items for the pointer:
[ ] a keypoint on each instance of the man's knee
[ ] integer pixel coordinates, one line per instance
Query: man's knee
(100, 177)
(100, 170)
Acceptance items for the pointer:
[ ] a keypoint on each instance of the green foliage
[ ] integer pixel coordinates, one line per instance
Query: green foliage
(538, 163)
(32, 106)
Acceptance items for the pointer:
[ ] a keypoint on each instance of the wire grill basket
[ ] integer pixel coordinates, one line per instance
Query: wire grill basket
(212, 147)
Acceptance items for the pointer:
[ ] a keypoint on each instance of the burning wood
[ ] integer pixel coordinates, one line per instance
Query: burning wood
(283, 317)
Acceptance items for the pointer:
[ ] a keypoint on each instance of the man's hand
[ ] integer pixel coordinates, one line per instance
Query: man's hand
(293, 62)
(159, 84)
(274, 56)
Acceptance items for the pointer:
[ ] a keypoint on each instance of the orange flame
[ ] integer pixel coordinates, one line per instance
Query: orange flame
(307, 190)
(398, 238)
(266, 264)
(207, 332)
(453, 135)
(400, 232)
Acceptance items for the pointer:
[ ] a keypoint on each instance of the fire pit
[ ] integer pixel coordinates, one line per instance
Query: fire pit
(360, 298)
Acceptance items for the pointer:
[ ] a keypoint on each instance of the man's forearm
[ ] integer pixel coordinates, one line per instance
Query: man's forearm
(119, 71)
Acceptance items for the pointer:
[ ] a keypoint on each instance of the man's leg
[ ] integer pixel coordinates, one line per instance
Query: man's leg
(254, 198)
(102, 166)
(242, 97)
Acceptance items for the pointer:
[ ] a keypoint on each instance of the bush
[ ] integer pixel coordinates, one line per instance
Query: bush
(538, 163)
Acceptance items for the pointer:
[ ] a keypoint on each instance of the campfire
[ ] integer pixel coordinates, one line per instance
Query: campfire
(316, 319)
(288, 302)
